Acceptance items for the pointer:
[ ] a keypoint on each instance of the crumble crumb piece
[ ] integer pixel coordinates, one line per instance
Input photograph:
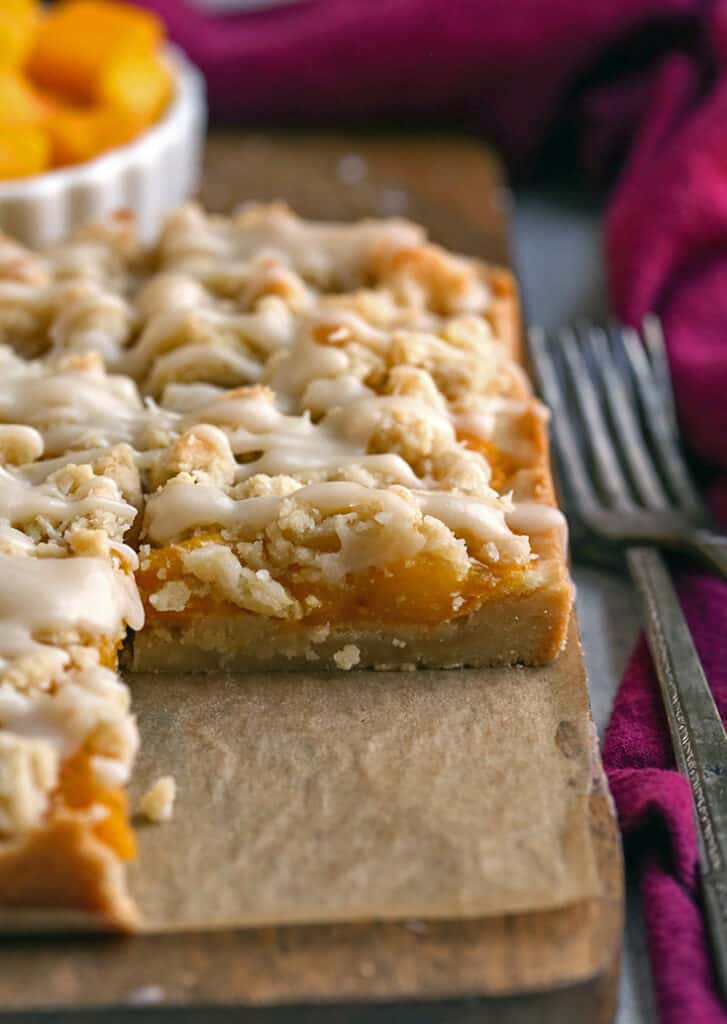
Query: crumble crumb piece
(97, 812)
(492, 552)
(398, 643)
(146, 995)
(319, 634)
(158, 802)
(28, 774)
(348, 657)
(172, 597)
(19, 444)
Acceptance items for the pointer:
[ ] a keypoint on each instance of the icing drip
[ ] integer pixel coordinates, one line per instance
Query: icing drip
(330, 255)
(97, 501)
(68, 596)
(181, 507)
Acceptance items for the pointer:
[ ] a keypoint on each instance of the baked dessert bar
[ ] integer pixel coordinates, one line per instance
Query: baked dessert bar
(67, 736)
(261, 443)
(277, 540)
(67, 742)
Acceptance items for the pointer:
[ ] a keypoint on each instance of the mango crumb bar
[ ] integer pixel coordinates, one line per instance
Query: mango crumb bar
(262, 443)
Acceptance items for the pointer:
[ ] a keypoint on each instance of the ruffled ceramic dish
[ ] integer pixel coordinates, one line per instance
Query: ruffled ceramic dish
(149, 176)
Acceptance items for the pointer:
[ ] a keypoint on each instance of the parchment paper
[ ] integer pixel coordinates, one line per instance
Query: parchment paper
(315, 798)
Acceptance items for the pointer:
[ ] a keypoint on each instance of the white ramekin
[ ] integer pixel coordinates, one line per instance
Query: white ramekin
(149, 176)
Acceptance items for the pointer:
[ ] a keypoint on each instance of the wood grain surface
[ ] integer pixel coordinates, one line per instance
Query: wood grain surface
(557, 967)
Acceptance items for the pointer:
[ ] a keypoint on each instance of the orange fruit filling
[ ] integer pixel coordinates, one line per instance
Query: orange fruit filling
(424, 590)
(501, 464)
(78, 788)
(108, 652)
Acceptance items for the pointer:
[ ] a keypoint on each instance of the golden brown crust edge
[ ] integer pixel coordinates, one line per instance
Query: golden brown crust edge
(504, 315)
(63, 866)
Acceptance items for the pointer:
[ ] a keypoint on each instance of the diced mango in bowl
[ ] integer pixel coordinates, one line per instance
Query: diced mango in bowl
(78, 135)
(136, 83)
(78, 40)
(76, 79)
(18, 21)
(24, 150)
(20, 103)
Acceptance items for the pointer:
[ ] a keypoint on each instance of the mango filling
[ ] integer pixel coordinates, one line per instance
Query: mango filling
(424, 590)
(502, 465)
(79, 789)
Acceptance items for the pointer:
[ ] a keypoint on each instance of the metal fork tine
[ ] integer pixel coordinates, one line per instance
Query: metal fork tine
(617, 447)
(564, 436)
(611, 478)
(655, 345)
(658, 412)
(624, 422)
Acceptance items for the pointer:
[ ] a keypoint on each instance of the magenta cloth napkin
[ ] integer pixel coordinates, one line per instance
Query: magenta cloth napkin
(637, 86)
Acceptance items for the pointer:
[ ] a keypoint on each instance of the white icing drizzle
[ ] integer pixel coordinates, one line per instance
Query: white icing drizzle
(294, 445)
(183, 398)
(251, 335)
(42, 596)
(330, 255)
(64, 404)
(181, 507)
(85, 700)
(19, 443)
(533, 517)
(76, 407)
(21, 502)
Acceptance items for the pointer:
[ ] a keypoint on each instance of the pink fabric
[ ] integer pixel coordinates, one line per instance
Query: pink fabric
(635, 84)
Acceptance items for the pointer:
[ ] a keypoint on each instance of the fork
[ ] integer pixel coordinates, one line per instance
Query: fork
(616, 385)
(627, 486)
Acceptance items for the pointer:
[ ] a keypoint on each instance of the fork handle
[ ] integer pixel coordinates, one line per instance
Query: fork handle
(698, 736)
(711, 548)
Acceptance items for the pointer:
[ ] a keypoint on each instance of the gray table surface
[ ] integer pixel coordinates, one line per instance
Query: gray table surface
(557, 251)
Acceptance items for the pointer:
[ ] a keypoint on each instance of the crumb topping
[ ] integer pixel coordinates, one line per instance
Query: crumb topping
(347, 658)
(158, 801)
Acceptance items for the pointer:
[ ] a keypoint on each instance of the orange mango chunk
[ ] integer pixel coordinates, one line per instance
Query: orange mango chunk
(24, 150)
(78, 39)
(78, 788)
(19, 102)
(18, 20)
(77, 134)
(140, 84)
(72, 135)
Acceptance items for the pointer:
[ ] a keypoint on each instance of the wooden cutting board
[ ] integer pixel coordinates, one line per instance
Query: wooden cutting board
(557, 966)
